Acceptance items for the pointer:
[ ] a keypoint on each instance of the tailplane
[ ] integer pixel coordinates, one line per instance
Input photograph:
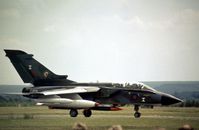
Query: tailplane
(31, 71)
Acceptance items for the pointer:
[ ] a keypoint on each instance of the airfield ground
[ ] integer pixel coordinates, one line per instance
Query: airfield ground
(41, 118)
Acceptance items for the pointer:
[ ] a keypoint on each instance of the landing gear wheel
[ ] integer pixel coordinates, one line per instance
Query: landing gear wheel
(87, 113)
(73, 113)
(137, 115)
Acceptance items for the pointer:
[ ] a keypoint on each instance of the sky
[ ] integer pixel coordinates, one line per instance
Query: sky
(103, 40)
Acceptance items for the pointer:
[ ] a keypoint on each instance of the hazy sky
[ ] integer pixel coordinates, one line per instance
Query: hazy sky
(104, 40)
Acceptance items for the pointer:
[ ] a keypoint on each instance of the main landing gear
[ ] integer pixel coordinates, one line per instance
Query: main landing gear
(86, 112)
(73, 112)
(137, 114)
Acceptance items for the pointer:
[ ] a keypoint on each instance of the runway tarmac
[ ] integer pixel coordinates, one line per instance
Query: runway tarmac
(11, 116)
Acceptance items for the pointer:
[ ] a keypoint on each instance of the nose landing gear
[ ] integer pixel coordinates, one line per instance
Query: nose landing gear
(137, 114)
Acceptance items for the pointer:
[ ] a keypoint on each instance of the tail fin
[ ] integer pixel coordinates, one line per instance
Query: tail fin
(30, 70)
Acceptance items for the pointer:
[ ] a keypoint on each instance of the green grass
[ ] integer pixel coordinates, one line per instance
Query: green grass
(32, 118)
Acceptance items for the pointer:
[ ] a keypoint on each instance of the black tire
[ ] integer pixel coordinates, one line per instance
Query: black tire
(87, 113)
(73, 113)
(137, 115)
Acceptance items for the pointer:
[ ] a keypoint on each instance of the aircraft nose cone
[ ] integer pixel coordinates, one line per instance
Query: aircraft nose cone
(168, 100)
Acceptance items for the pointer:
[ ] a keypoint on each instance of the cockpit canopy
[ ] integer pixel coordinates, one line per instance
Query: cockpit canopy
(135, 86)
(140, 86)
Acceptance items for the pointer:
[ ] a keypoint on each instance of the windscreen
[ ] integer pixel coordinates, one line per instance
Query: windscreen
(140, 86)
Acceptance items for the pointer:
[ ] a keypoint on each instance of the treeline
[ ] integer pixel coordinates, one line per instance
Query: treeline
(188, 103)
(15, 101)
(15, 104)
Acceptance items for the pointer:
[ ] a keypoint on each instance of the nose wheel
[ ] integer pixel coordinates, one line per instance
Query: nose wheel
(73, 113)
(137, 114)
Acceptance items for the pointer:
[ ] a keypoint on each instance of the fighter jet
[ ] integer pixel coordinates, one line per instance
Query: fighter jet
(59, 92)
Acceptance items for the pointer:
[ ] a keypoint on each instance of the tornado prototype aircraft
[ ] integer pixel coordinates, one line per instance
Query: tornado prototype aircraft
(59, 92)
